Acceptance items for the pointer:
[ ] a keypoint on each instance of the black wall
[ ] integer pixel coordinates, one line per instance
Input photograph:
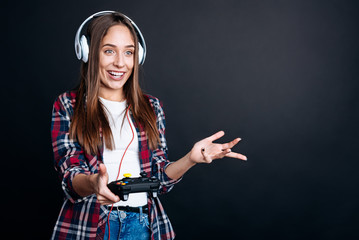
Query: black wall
(282, 75)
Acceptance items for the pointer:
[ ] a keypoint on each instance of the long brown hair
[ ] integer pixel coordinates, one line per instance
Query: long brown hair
(89, 114)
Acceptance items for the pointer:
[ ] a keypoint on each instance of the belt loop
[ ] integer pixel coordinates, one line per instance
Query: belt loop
(118, 214)
(120, 221)
(141, 214)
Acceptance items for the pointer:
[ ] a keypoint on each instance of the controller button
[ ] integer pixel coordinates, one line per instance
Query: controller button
(123, 183)
(127, 175)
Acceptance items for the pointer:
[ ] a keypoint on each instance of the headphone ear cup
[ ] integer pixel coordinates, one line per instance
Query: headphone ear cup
(140, 54)
(84, 48)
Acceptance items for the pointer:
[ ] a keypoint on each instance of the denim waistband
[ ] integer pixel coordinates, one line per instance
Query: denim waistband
(129, 209)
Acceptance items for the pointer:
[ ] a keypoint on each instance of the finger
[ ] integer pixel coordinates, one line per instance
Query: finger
(106, 202)
(223, 153)
(102, 200)
(236, 155)
(216, 136)
(231, 144)
(107, 194)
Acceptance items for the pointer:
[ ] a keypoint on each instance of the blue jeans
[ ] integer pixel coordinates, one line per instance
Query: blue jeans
(128, 226)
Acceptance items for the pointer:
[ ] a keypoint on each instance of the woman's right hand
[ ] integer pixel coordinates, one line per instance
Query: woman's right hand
(99, 184)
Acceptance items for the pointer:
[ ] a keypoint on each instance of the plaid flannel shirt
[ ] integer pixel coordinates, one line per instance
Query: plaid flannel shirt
(83, 217)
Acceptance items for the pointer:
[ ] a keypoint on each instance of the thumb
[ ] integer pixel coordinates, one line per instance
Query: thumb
(102, 169)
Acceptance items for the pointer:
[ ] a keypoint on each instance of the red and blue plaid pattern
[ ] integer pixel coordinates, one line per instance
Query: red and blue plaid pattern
(83, 217)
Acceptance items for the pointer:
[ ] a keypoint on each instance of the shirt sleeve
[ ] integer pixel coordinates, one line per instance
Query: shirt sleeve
(159, 156)
(69, 157)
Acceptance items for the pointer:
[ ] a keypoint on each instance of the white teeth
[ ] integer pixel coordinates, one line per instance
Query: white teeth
(116, 73)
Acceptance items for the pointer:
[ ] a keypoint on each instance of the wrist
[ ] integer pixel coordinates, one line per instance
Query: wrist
(189, 160)
(83, 184)
(91, 181)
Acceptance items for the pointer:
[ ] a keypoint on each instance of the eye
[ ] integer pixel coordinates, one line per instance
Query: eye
(129, 53)
(109, 52)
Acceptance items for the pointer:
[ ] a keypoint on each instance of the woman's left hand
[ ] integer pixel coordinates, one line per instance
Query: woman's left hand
(205, 151)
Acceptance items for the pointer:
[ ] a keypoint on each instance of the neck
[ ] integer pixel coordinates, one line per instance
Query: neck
(114, 95)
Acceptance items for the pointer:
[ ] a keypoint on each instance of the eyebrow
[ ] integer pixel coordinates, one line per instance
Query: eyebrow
(114, 46)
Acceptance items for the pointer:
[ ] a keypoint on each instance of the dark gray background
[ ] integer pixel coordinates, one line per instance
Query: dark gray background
(283, 75)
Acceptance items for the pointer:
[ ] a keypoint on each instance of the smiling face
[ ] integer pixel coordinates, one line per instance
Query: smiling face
(116, 61)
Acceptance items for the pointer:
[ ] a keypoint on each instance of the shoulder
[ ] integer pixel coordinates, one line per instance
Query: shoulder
(152, 99)
(68, 95)
(155, 103)
(66, 100)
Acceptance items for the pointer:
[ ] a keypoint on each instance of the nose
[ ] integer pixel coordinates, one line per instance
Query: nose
(119, 61)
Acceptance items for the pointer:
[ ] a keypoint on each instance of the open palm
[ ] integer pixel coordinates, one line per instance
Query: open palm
(205, 151)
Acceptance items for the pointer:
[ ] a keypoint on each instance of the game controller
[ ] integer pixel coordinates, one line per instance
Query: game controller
(127, 185)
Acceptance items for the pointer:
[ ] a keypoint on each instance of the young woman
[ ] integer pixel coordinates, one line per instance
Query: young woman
(107, 127)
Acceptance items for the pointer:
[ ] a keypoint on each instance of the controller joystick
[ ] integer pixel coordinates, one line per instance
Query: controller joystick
(127, 185)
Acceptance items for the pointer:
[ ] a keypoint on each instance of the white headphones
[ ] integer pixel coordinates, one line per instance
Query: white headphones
(82, 47)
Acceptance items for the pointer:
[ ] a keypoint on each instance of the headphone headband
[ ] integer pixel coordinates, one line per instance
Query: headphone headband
(81, 43)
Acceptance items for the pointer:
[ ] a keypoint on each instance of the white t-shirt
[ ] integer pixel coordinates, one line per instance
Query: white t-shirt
(122, 136)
